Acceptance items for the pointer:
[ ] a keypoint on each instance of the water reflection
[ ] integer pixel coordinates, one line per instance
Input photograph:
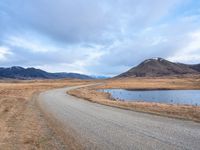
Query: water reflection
(191, 97)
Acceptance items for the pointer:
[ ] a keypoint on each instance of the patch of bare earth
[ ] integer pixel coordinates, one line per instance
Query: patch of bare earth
(176, 111)
(22, 125)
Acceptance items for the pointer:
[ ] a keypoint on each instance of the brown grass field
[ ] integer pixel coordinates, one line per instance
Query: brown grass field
(176, 111)
(22, 125)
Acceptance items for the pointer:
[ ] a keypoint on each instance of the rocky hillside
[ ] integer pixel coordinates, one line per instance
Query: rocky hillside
(160, 67)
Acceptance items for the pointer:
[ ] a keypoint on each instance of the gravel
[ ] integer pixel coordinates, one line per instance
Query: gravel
(97, 126)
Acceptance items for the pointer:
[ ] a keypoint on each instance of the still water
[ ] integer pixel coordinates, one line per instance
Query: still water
(191, 97)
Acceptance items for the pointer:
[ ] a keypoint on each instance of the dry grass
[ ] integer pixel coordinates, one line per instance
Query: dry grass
(22, 125)
(154, 83)
(176, 111)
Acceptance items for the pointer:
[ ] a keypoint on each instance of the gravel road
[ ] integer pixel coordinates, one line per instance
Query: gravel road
(97, 126)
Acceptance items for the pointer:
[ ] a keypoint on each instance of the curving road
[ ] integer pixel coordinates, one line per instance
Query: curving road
(97, 126)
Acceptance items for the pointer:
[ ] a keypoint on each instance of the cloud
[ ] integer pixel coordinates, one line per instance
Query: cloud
(84, 21)
(4, 53)
(34, 46)
(50, 55)
(177, 40)
(190, 53)
(97, 37)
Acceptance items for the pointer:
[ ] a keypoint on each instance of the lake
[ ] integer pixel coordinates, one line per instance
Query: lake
(190, 97)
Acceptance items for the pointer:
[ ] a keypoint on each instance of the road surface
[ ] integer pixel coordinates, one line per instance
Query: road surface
(102, 127)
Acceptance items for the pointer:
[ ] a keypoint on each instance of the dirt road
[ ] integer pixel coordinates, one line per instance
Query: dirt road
(97, 126)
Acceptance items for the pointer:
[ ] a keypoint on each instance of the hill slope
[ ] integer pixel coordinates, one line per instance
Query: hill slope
(195, 67)
(33, 73)
(160, 67)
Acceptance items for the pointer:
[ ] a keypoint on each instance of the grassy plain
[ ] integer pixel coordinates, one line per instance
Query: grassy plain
(22, 125)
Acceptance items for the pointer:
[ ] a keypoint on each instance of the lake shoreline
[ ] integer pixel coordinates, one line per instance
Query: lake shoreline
(183, 97)
(186, 112)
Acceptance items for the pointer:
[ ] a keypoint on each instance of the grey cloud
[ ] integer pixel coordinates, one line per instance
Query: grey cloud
(121, 32)
(85, 21)
(36, 58)
(160, 41)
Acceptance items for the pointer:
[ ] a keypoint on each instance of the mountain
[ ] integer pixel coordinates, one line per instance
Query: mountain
(156, 67)
(100, 77)
(195, 67)
(33, 73)
(72, 75)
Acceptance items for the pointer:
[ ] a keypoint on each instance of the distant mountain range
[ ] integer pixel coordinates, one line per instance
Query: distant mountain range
(33, 73)
(100, 77)
(156, 67)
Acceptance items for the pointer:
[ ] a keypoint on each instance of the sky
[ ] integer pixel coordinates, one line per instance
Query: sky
(97, 37)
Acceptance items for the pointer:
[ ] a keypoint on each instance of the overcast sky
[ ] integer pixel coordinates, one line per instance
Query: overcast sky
(97, 37)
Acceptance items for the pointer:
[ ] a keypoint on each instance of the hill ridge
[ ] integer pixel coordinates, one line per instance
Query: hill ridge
(18, 72)
(155, 67)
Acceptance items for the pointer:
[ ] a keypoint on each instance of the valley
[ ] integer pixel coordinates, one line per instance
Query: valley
(40, 114)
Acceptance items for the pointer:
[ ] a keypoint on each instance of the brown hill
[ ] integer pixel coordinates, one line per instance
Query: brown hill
(195, 67)
(156, 67)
